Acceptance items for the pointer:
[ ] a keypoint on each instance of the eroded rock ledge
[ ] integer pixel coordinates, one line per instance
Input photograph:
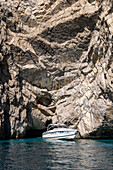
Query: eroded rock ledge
(56, 66)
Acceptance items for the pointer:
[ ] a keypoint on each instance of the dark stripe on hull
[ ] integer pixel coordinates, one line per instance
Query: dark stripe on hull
(60, 137)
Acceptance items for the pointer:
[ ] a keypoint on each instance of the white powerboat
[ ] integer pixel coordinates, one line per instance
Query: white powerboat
(59, 131)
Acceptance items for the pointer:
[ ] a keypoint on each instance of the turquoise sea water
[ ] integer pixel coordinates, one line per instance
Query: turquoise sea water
(34, 154)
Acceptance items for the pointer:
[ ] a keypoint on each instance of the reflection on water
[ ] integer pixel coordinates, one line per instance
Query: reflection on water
(56, 154)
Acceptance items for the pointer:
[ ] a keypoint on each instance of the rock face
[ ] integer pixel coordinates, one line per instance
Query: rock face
(56, 66)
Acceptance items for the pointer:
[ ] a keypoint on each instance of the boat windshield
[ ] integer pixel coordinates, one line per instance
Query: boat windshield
(53, 126)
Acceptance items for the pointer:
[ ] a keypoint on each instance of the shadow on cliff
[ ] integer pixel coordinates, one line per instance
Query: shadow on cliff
(5, 129)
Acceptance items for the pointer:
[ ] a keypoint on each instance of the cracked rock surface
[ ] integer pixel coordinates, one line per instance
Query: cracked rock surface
(56, 66)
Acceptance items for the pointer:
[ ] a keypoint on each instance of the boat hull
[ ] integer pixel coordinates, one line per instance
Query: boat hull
(62, 134)
(70, 137)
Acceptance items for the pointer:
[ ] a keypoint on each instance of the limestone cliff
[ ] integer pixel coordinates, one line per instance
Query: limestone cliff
(56, 66)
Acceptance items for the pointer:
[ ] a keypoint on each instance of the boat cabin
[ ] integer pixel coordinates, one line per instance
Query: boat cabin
(53, 126)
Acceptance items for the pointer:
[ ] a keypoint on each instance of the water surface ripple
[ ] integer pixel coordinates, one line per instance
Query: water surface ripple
(31, 154)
